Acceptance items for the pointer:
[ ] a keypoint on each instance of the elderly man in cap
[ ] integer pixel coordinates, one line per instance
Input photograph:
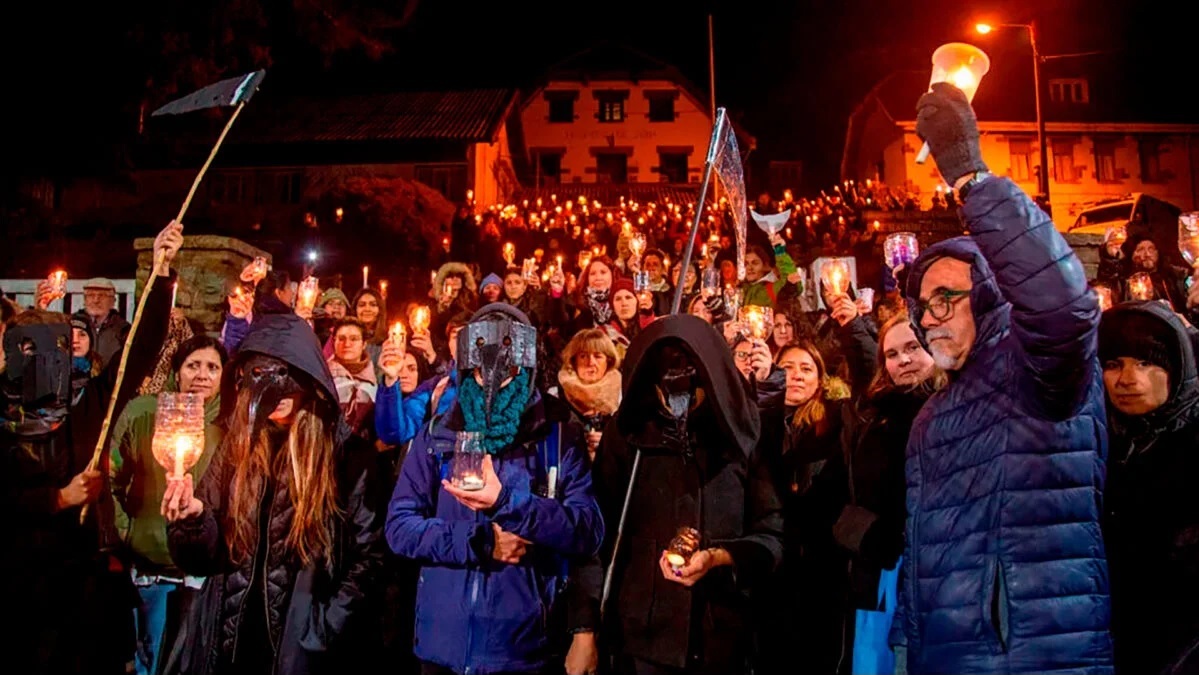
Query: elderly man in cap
(99, 309)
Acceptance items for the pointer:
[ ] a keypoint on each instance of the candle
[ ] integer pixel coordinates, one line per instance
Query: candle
(174, 293)
(339, 212)
(58, 285)
(472, 482)
(383, 288)
(1104, 294)
(306, 301)
(510, 253)
(183, 446)
(836, 276)
(366, 272)
(178, 439)
(684, 545)
(420, 319)
(1140, 286)
(759, 321)
(396, 334)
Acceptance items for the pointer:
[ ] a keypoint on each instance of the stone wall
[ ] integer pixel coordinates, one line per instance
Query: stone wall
(933, 226)
(207, 266)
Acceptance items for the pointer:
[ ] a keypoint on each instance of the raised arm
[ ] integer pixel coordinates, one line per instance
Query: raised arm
(1055, 317)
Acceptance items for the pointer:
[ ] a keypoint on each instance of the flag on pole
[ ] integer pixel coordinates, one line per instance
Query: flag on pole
(726, 162)
(230, 92)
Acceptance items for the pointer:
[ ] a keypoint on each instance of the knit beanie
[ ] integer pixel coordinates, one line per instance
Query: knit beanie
(1139, 335)
(622, 284)
(332, 294)
(490, 280)
(84, 325)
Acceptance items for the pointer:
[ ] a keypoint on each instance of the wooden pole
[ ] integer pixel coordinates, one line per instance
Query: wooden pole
(105, 427)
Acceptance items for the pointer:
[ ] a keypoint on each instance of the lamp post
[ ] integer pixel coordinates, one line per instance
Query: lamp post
(1031, 27)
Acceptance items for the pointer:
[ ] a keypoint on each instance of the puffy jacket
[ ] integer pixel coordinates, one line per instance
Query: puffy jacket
(398, 418)
(473, 613)
(1004, 567)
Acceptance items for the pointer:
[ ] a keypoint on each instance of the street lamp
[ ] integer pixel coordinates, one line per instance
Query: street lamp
(1031, 27)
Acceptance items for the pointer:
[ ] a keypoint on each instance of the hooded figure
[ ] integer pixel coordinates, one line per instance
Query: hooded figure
(1152, 517)
(491, 567)
(1004, 569)
(694, 421)
(284, 523)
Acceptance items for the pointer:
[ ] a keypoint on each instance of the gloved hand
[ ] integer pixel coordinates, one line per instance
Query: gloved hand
(715, 306)
(945, 120)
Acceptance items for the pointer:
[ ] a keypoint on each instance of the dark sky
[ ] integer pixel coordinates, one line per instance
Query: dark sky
(790, 72)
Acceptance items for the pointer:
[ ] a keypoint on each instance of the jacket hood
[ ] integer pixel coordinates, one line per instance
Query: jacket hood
(290, 339)
(468, 277)
(1184, 385)
(991, 310)
(729, 393)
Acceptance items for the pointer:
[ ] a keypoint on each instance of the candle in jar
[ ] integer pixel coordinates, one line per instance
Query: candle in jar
(472, 482)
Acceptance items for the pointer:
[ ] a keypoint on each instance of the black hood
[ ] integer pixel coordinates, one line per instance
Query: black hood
(290, 339)
(1184, 384)
(729, 393)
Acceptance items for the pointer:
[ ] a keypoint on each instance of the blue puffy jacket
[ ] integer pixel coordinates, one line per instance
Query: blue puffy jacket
(1004, 568)
(398, 418)
(473, 613)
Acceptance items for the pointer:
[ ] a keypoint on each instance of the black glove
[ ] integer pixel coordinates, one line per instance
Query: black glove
(715, 306)
(945, 120)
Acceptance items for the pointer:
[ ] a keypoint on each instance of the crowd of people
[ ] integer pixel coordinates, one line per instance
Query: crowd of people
(537, 467)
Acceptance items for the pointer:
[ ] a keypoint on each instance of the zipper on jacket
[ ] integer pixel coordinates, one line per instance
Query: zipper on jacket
(470, 619)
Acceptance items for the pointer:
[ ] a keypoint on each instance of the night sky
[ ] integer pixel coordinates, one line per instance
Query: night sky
(790, 72)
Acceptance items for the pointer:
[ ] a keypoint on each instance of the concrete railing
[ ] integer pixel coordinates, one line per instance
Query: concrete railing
(21, 291)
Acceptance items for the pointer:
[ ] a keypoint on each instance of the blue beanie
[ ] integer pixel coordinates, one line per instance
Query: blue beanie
(490, 279)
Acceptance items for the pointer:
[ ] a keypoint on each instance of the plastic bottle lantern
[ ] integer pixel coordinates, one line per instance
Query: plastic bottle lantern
(1116, 235)
(398, 335)
(757, 321)
(682, 547)
(466, 471)
(1188, 238)
(962, 65)
(900, 248)
(1140, 286)
(1104, 294)
(835, 275)
(58, 284)
(178, 440)
(258, 269)
(420, 319)
(306, 299)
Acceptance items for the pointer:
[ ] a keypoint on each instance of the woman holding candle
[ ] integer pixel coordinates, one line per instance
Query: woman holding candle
(284, 524)
(371, 311)
(354, 375)
(138, 485)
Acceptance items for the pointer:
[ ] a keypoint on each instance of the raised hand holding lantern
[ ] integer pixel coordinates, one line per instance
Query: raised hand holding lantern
(178, 440)
(1188, 239)
(835, 275)
(757, 321)
(58, 285)
(962, 65)
(398, 336)
(306, 299)
(510, 253)
(900, 248)
(420, 319)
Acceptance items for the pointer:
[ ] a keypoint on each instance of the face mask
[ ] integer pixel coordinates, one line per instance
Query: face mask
(496, 345)
(677, 383)
(269, 380)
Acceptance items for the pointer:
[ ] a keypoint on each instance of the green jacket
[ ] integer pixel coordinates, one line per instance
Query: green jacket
(765, 293)
(138, 481)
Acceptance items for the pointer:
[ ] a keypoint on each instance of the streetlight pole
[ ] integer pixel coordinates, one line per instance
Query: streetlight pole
(1043, 182)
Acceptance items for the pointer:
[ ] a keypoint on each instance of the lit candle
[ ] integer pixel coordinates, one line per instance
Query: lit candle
(510, 253)
(420, 319)
(1140, 286)
(397, 335)
(471, 481)
(183, 447)
(383, 288)
(1104, 294)
(836, 276)
(174, 293)
(366, 272)
(308, 292)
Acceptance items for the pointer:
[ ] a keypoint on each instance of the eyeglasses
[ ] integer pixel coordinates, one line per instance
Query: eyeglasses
(943, 302)
(742, 356)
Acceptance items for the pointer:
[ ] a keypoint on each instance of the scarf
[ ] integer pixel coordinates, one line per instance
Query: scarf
(597, 398)
(599, 304)
(499, 429)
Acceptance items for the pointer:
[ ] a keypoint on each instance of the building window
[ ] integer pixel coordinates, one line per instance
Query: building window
(286, 187)
(612, 167)
(611, 105)
(231, 188)
(1105, 161)
(1150, 152)
(1069, 90)
(672, 167)
(1063, 161)
(1020, 152)
(661, 108)
(549, 168)
(562, 110)
(448, 179)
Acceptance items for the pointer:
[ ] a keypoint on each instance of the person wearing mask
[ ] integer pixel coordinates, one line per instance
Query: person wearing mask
(107, 324)
(76, 608)
(1151, 528)
(285, 524)
(492, 559)
(691, 426)
(138, 484)
(1003, 567)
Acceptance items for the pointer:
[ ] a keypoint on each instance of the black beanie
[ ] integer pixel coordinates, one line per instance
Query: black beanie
(1139, 335)
(85, 325)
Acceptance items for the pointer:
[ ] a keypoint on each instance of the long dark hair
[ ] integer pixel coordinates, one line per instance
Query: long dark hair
(305, 465)
(194, 344)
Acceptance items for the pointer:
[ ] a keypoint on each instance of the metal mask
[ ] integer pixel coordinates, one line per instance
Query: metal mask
(38, 371)
(495, 344)
(269, 380)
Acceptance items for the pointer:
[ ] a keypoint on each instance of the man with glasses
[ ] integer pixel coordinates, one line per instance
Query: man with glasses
(1004, 568)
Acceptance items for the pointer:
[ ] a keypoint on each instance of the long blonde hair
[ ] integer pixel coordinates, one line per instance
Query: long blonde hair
(305, 466)
(811, 414)
(882, 382)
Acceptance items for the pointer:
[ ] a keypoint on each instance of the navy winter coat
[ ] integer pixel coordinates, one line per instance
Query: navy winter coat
(1004, 567)
(475, 614)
